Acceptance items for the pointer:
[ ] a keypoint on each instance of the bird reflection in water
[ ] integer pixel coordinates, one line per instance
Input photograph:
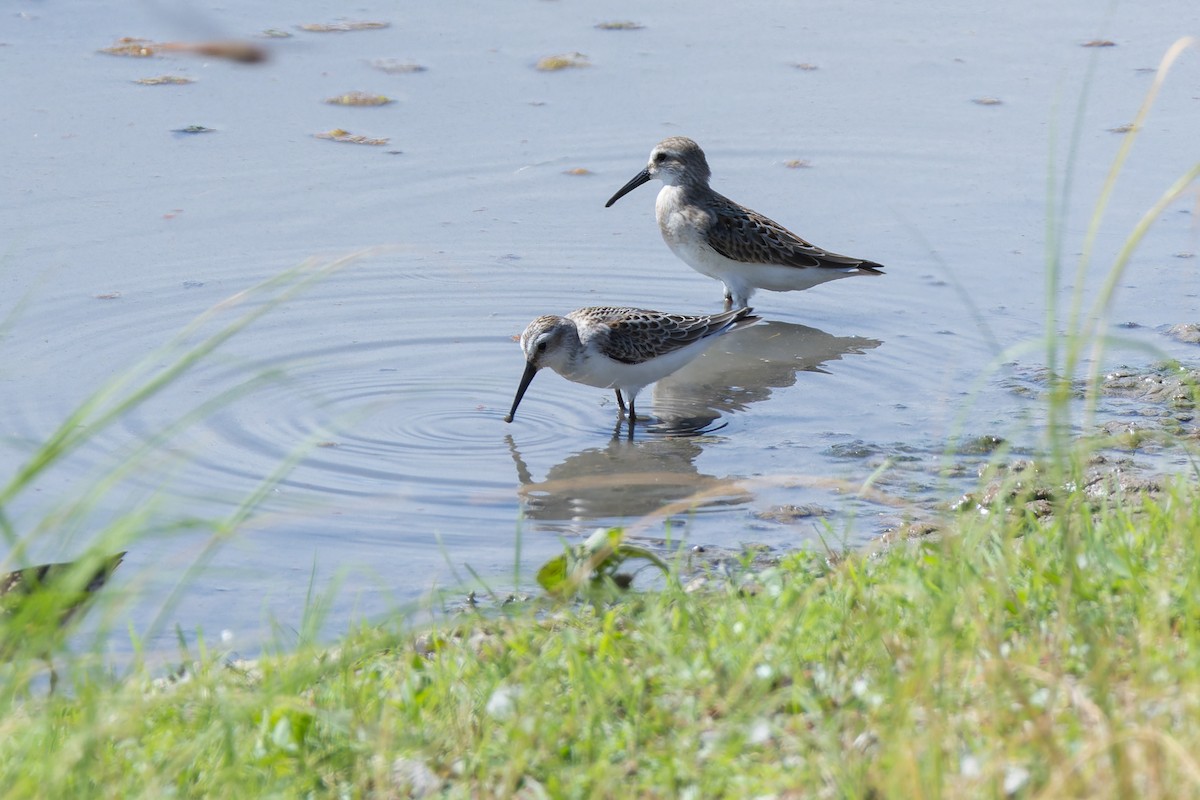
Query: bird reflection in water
(620, 481)
(657, 477)
(743, 370)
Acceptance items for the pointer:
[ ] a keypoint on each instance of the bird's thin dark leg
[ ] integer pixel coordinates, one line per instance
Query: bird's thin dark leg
(632, 414)
(620, 401)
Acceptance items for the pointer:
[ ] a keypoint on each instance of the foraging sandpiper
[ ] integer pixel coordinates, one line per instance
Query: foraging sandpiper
(625, 349)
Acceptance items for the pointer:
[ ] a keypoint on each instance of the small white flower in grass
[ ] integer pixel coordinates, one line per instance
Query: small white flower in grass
(502, 703)
(1040, 698)
(760, 732)
(1015, 777)
(416, 776)
(764, 672)
(858, 688)
(969, 766)
(865, 741)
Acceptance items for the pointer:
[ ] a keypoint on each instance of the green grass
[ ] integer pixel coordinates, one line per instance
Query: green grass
(1019, 654)
(951, 668)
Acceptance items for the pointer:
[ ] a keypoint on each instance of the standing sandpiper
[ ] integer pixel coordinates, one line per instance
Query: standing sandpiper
(727, 241)
(625, 349)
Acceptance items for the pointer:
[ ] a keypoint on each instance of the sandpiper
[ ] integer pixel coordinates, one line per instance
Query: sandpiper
(624, 349)
(727, 241)
(64, 590)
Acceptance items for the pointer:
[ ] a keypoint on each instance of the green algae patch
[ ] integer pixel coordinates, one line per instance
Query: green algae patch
(359, 99)
(562, 61)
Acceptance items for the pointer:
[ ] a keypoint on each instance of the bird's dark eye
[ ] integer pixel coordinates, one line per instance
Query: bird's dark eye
(660, 157)
(541, 348)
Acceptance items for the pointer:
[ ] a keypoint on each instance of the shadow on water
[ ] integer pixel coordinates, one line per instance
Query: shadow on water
(628, 479)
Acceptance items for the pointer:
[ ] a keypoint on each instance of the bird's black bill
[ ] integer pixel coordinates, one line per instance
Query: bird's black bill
(638, 180)
(526, 379)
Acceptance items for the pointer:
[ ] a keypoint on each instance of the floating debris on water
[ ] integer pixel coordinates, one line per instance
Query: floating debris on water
(798, 163)
(792, 513)
(108, 296)
(165, 80)
(194, 129)
(1127, 128)
(1099, 43)
(343, 27)
(339, 135)
(231, 50)
(1186, 332)
(987, 101)
(359, 99)
(806, 67)
(980, 445)
(619, 25)
(132, 47)
(856, 449)
(562, 61)
(275, 33)
(577, 171)
(394, 66)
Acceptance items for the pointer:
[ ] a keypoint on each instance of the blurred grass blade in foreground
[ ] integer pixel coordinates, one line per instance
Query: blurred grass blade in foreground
(37, 603)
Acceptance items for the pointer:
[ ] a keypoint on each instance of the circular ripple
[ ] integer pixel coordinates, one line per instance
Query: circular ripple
(365, 401)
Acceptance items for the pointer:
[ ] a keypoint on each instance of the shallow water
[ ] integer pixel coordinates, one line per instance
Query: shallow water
(389, 380)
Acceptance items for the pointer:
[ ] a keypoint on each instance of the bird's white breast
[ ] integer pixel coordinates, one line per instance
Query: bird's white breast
(591, 367)
(684, 228)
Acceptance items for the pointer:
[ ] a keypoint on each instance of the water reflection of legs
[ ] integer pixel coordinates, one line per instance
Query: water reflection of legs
(621, 419)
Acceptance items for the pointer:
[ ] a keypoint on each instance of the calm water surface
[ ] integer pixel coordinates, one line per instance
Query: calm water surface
(388, 381)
